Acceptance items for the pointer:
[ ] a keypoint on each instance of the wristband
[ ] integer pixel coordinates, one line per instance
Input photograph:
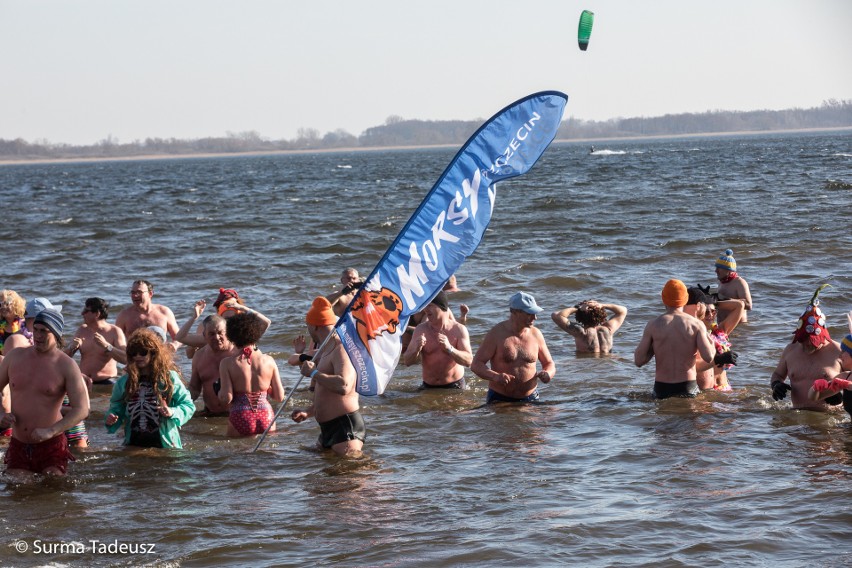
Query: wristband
(451, 350)
(314, 372)
(108, 348)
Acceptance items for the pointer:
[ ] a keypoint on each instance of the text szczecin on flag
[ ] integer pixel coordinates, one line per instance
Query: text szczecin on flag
(444, 230)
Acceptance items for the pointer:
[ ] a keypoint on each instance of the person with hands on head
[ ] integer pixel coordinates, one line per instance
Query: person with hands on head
(442, 345)
(810, 356)
(40, 377)
(228, 303)
(512, 348)
(150, 401)
(593, 330)
(335, 400)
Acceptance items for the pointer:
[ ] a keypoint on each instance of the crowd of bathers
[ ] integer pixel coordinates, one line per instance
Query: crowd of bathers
(45, 391)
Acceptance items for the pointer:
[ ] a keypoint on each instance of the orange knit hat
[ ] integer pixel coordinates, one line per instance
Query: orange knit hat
(675, 294)
(321, 313)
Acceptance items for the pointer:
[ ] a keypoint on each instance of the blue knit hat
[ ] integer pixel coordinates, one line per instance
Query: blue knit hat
(726, 261)
(846, 344)
(52, 320)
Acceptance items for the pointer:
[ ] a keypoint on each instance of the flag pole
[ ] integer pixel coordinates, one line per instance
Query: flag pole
(292, 390)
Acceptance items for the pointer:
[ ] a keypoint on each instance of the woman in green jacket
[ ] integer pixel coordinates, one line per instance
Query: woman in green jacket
(150, 401)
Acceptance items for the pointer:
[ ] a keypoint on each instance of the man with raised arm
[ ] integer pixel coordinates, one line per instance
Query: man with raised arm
(39, 377)
(512, 348)
(350, 282)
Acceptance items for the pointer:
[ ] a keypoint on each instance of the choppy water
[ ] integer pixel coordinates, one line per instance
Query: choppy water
(597, 475)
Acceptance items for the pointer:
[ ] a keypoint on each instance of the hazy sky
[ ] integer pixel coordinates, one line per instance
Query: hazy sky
(79, 71)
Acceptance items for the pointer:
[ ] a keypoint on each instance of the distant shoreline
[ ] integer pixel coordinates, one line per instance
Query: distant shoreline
(150, 157)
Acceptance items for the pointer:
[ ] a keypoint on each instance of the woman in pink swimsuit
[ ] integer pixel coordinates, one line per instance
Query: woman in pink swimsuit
(248, 379)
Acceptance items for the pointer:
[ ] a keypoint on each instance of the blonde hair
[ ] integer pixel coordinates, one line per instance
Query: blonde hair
(161, 363)
(17, 304)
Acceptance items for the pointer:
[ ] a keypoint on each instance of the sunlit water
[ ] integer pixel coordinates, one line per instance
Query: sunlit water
(599, 474)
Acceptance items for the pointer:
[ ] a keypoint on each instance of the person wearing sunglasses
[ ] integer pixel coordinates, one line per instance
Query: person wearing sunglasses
(150, 401)
(100, 343)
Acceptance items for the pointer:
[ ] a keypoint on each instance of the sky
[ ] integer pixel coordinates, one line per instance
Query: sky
(81, 71)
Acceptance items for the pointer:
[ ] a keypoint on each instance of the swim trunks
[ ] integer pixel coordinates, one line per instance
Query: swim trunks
(457, 385)
(107, 381)
(77, 432)
(686, 389)
(251, 413)
(847, 401)
(342, 429)
(39, 457)
(493, 396)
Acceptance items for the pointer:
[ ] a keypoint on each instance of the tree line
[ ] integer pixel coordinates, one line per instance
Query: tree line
(397, 131)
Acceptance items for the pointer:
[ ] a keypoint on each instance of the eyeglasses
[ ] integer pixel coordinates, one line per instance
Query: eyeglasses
(137, 352)
(137, 292)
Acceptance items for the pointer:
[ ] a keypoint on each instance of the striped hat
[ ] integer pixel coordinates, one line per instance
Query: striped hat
(726, 261)
(52, 320)
(846, 344)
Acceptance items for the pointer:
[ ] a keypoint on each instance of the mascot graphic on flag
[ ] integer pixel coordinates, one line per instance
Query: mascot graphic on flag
(376, 313)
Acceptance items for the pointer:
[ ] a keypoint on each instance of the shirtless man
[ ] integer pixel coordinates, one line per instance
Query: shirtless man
(731, 285)
(512, 348)
(204, 379)
(335, 404)
(841, 384)
(39, 377)
(812, 355)
(592, 332)
(673, 339)
(350, 282)
(100, 344)
(144, 313)
(442, 345)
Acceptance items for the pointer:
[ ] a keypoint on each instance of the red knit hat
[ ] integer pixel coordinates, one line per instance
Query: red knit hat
(811, 325)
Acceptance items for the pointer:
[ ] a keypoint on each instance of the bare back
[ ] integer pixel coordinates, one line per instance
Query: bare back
(673, 340)
(241, 375)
